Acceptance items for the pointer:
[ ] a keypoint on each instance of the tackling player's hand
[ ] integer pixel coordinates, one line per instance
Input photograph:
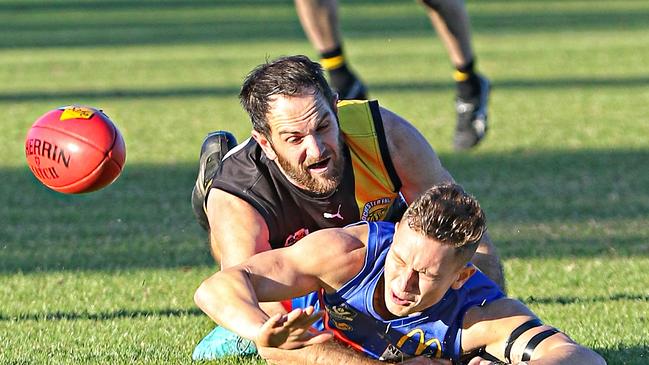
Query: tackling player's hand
(292, 330)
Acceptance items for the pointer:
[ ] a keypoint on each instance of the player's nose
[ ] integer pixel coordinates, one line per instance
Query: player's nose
(408, 281)
(315, 147)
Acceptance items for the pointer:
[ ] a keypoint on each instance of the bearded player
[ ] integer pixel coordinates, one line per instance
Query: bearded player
(312, 163)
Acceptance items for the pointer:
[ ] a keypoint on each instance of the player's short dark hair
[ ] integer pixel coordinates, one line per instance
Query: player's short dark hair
(292, 75)
(449, 215)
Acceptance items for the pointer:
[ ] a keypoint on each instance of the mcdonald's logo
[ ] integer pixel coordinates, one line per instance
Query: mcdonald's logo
(423, 343)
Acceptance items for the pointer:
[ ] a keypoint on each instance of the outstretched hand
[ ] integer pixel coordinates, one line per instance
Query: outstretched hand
(292, 330)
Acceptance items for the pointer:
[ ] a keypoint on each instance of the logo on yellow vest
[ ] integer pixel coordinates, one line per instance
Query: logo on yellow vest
(375, 210)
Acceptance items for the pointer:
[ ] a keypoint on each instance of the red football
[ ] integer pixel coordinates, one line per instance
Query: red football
(75, 149)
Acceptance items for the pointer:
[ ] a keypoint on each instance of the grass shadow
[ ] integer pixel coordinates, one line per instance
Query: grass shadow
(625, 355)
(563, 300)
(563, 202)
(56, 24)
(101, 316)
(144, 219)
(119, 94)
(401, 86)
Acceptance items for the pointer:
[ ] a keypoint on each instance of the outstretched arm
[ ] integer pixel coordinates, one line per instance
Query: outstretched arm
(233, 220)
(499, 327)
(231, 297)
(419, 168)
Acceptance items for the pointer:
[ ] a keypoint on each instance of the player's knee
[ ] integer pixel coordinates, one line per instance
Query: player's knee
(200, 296)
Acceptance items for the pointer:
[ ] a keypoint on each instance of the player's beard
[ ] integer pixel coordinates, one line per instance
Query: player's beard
(316, 183)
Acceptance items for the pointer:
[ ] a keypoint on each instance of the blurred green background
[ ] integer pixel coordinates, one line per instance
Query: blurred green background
(108, 277)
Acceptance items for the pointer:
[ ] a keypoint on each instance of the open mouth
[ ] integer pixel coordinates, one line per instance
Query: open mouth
(320, 165)
(400, 301)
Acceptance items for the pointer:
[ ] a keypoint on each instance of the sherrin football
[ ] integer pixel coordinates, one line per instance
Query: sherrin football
(75, 149)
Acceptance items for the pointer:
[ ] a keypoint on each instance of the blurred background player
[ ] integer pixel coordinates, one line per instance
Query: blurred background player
(319, 19)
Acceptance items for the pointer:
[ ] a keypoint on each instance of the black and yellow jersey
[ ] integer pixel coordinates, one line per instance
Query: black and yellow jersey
(369, 186)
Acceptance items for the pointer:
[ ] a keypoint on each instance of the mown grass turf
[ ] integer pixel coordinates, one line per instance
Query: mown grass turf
(108, 277)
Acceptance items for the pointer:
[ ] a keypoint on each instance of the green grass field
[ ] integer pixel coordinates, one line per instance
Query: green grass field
(108, 278)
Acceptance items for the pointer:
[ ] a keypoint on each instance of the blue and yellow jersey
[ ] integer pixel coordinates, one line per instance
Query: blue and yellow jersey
(375, 179)
(436, 332)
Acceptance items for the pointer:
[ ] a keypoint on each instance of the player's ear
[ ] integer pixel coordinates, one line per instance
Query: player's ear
(334, 103)
(465, 274)
(265, 145)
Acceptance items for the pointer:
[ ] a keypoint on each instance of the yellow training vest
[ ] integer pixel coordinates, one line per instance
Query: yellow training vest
(376, 181)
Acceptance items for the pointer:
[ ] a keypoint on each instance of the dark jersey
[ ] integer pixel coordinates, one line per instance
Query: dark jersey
(369, 186)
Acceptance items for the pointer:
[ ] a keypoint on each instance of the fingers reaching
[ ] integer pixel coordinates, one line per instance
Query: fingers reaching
(319, 337)
(292, 330)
